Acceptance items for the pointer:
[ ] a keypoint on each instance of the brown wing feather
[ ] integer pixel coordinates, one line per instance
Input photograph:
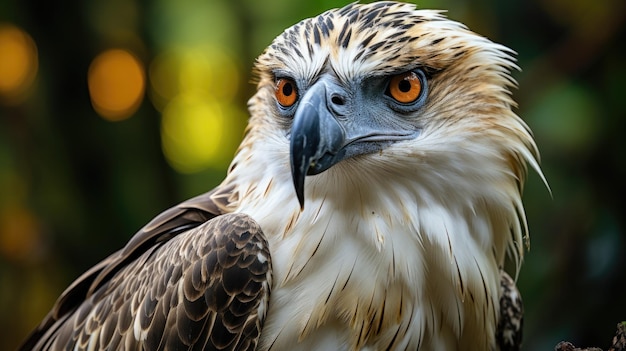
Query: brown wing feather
(510, 323)
(194, 281)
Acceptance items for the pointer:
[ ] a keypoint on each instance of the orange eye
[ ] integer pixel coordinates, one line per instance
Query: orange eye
(405, 87)
(286, 92)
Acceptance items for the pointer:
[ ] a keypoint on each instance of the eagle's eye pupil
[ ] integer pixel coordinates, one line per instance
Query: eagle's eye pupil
(404, 86)
(287, 89)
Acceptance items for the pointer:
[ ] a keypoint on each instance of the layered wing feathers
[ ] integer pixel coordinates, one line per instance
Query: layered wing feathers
(181, 283)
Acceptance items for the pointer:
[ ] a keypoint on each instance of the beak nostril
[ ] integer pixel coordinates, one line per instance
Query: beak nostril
(337, 100)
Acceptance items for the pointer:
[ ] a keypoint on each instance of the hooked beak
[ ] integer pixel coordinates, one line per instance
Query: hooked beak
(317, 139)
(326, 131)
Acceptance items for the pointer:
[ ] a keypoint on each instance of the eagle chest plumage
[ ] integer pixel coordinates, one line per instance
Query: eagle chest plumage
(370, 206)
(352, 274)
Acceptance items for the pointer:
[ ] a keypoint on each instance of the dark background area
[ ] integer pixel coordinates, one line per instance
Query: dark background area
(76, 183)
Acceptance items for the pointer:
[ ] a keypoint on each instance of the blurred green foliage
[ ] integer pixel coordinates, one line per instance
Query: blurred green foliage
(74, 187)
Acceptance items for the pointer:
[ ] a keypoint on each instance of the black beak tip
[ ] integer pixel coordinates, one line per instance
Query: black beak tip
(300, 200)
(298, 181)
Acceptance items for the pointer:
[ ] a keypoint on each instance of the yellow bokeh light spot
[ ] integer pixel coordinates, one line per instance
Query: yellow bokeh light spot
(116, 81)
(210, 71)
(194, 89)
(18, 63)
(199, 71)
(195, 134)
(164, 71)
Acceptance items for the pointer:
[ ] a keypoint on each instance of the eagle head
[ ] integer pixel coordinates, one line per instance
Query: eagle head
(388, 82)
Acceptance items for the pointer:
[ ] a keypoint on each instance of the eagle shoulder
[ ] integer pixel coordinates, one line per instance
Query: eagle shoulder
(191, 277)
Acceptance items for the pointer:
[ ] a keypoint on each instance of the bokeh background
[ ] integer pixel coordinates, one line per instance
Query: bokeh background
(113, 110)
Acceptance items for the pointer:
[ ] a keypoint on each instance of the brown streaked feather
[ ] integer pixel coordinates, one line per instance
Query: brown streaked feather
(511, 321)
(220, 263)
(184, 216)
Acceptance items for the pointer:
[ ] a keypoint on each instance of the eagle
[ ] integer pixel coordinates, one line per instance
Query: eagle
(371, 205)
